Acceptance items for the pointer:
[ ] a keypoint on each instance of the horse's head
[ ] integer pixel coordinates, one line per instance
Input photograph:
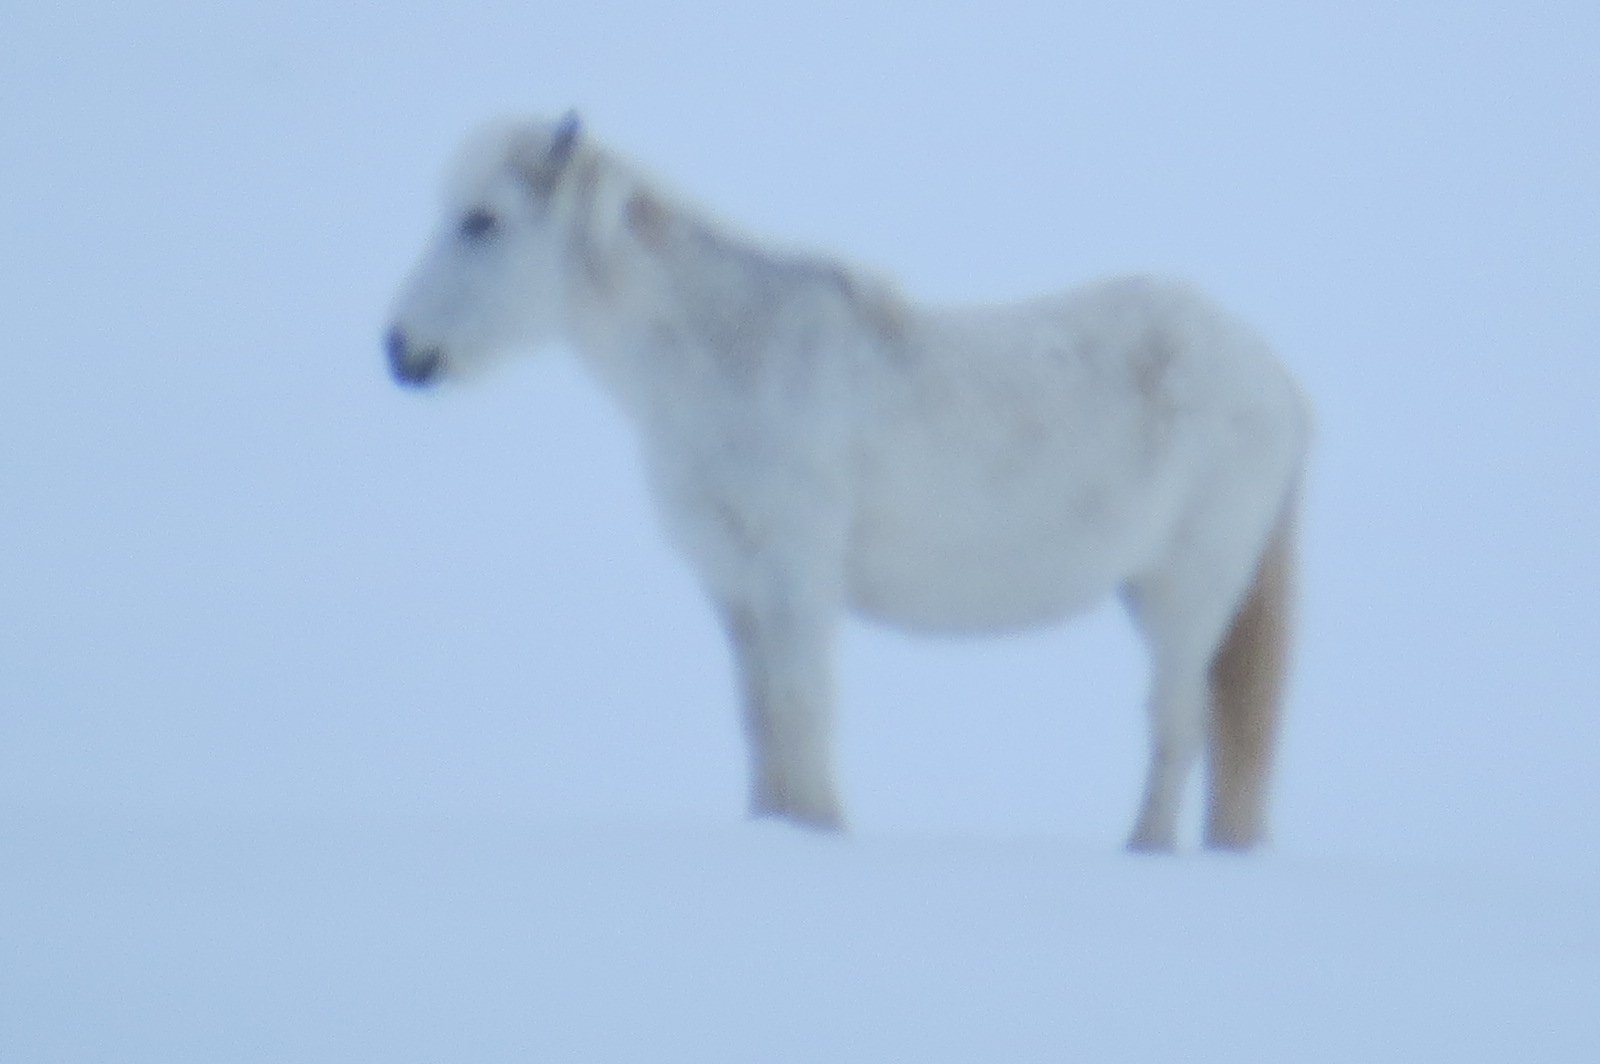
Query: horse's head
(490, 279)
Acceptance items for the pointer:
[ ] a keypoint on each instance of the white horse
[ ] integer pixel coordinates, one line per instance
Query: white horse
(817, 442)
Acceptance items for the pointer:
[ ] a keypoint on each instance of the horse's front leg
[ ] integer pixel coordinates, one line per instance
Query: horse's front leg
(783, 650)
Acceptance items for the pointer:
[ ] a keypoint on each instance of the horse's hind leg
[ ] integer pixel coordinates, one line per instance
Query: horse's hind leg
(1247, 680)
(1213, 615)
(1177, 724)
(784, 658)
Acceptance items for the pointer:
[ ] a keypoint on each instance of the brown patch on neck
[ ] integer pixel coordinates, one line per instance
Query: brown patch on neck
(647, 219)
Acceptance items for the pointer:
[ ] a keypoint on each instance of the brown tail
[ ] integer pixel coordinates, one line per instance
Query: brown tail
(1247, 683)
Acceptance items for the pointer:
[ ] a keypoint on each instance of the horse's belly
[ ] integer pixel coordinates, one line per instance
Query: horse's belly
(932, 591)
(976, 562)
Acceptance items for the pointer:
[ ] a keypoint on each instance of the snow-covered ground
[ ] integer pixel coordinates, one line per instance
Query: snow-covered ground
(342, 724)
(246, 941)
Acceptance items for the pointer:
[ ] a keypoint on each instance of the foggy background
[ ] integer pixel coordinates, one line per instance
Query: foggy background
(344, 723)
(243, 575)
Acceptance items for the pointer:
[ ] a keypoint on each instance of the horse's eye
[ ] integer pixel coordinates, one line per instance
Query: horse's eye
(479, 224)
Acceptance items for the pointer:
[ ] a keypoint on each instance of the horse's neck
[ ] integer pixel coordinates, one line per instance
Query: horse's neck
(620, 263)
(646, 273)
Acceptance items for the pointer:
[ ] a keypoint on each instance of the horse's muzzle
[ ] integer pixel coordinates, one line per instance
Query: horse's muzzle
(411, 366)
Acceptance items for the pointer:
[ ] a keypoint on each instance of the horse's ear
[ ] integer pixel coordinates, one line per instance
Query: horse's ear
(564, 141)
(542, 168)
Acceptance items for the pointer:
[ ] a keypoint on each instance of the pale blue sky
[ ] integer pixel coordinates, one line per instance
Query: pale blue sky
(242, 571)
